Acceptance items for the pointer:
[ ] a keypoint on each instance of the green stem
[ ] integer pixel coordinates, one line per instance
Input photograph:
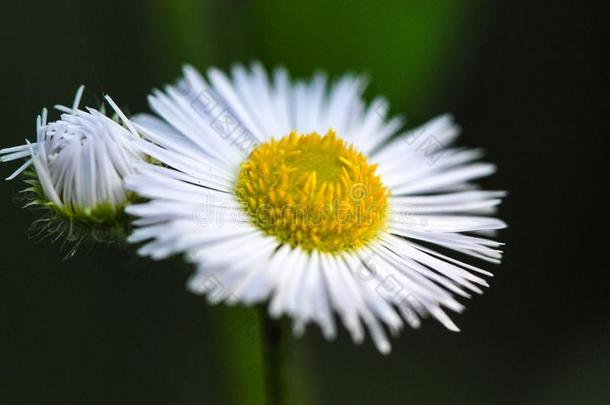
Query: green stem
(274, 342)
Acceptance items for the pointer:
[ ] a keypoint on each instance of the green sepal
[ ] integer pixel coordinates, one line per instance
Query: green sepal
(75, 226)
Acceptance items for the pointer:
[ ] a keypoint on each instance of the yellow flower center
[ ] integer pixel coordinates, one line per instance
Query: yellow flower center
(314, 192)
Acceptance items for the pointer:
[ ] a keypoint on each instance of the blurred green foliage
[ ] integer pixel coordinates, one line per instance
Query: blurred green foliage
(407, 47)
(410, 49)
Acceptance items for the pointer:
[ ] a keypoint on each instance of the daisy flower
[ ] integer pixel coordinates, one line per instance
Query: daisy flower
(301, 194)
(79, 163)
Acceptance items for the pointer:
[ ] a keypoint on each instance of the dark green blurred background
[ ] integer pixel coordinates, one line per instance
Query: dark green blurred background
(523, 79)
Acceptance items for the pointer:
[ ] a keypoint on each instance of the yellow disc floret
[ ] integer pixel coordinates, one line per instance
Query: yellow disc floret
(313, 191)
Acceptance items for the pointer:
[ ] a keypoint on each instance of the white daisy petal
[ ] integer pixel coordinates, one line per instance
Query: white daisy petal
(340, 296)
(223, 87)
(263, 281)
